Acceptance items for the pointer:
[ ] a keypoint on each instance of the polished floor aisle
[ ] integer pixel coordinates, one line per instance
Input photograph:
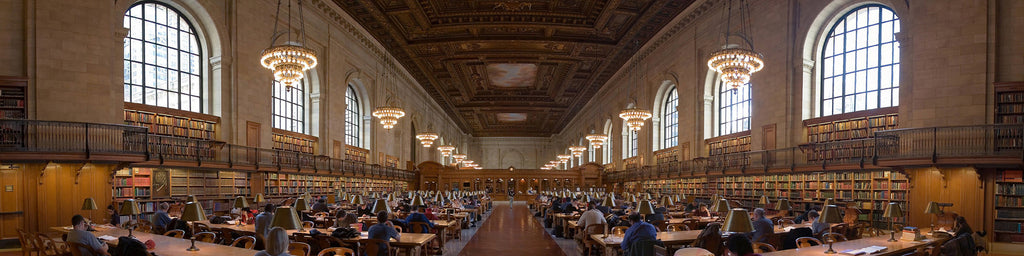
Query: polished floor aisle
(511, 232)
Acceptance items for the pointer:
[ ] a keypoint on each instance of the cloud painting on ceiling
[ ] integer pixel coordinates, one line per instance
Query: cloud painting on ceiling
(511, 117)
(510, 75)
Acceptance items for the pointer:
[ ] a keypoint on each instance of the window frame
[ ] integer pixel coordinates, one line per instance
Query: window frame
(200, 75)
(352, 96)
(278, 103)
(670, 120)
(720, 122)
(840, 73)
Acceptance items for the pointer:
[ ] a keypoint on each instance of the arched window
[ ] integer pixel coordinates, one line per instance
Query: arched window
(670, 121)
(353, 118)
(629, 141)
(162, 59)
(289, 108)
(606, 149)
(861, 62)
(733, 109)
(591, 153)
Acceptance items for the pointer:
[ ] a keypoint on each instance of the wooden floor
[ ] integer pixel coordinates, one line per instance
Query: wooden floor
(511, 231)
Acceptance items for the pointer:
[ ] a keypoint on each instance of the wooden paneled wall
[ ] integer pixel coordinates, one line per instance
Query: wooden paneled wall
(962, 186)
(52, 195)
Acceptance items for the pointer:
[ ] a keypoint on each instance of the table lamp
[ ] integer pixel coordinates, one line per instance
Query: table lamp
(89, 205)
(783, 205)
(391, 197)
(893, 210)
(356, 200)
(375, 195)
(286, 218)
(666, 201)
(339, 196)
(830, 215)
(301, 205)
(721, 207)
(738, 221)
(632, 198)
(193, 212)
(240, 203)
(381, 206)
(935, 208)
(417, 201)
(130, 208)
(191, 198)
(644, 208)
(764, 201)
(647, 197)
(438, 199)
(259, 199)
(586, 198)
(828, 201)
(609, 201)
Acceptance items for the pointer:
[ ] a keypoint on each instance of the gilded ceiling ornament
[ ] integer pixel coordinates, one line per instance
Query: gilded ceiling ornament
(513, 5)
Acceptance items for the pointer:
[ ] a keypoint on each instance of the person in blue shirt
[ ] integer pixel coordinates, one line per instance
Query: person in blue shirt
(160, 218)
(637, 232)
(763, 227)
(416, 216)
(383, 230)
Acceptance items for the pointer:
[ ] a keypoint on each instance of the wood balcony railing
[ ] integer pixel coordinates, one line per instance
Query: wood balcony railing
(978, 145)
(24, 139)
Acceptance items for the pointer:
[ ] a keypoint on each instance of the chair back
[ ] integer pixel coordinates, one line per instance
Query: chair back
(642, 247)
(307, 224)
(660, 251)
(176, 233)
(372, 247)
(339, 251)
(594, 229)
(834, 237)
(661, 225)
(710, 239)
(77, 249)
(206, 237)
(247, 242)
(298, 249)
(27, 242)
(693, 224)
(225, 235)
(677, 227)
(693, 251)
(760, 247)
(419, 227)
(200, 227)
(804, 242)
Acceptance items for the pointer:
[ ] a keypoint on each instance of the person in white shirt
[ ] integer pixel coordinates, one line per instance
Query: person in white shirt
(590, 217)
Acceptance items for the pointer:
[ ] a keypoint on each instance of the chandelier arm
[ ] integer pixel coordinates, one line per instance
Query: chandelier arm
(302, 25)
(728, 22)
(745, 20)
(277, 19)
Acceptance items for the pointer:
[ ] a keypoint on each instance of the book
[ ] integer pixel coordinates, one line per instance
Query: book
(865, 250)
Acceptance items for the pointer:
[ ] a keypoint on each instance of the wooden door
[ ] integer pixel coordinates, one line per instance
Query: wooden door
(252, 139)
(11, 212)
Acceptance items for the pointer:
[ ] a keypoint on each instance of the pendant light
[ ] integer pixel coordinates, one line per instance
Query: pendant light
(735, 63)
(634, 116)
(289, 60)
(390, 112)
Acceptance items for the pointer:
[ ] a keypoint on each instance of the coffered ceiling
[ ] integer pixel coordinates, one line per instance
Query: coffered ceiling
(512, 67)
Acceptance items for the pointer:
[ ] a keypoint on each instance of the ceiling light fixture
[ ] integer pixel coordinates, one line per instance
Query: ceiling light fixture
(446, 150)
(634, 116)
(733, 63)
(427, 138)
(597, 140)
(577, 151)
(289, 60)
(390, 112)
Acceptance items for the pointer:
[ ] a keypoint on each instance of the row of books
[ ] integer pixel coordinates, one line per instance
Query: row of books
(1009, 201)
(12, 103)
(133, 181)
(1010, 214)
(171, 125)
(727, 146)
(1008, 226)
(356, 153)
(293, 143)
(132, 192)
(1010, 189)
(857, 128)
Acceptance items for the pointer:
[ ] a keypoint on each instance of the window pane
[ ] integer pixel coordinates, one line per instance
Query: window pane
(671, 120)
(734, 109)
(162, 72)
(353, 117)
(865, 61)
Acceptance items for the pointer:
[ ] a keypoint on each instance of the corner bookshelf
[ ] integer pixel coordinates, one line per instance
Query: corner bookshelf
(294, 142)
(171, 122)
(846, 127)
(12, 97)
(1009, 204)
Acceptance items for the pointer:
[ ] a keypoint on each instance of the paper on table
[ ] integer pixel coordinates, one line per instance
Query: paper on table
(787, 229)
(231, 222)
(865, 250)
(613, 239)
(107, 238)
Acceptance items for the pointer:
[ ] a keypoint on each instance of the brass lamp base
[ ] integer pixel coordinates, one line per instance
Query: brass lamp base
(830, 251)
(193, 248)
(892, 236)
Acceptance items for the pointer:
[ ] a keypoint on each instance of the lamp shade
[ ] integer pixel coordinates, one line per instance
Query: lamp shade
(191, 198)
(609, 201)
(240, 202)
(647, 196)
(356, 199)
(193, 212)
(586, 198)
(375, 195)
(666, 201)
(438, 198)
(259, 198)
(829, 201)
(286, 218)
(381, 206)
(307, 197)
(830, 214)
(645, 207)
(933, 208)
(632, 198)
(722, 206)
(89, 204)
(783, 205)
(129, 207)
(339, 196)
(417, 201)
(738, 221)
(764, 201)
(301, 204)
(391, 197)
(893, 210)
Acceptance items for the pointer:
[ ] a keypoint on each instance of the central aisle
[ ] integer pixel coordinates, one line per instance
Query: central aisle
(511, 232)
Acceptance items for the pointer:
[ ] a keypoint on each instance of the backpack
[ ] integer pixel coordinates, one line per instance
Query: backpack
(219, 220)
(344, 233)
(127, 246)
(558, 231)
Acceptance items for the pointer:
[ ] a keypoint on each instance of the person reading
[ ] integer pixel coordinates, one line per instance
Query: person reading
(79, 235)
(639, 231)
(383, 230)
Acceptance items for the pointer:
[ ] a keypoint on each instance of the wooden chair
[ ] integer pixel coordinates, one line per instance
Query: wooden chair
(760, 247)
(200, 227)
(338, 251)
(677, 227)
(786, 223)
(206, 237)
(320, 215)
(28, 244)
(224, 235)
(307, 224)
(660, 251)
(693, 224)
(372, 246)
(76, 249)
(588, 245)
(298, 249)
(51, 246)
(325, 241)
(804, 242)
(834, 237)
(247, 242)
(419, 227)
(176, 233)
(399, 229)
(693, 251)
(619, 230)
(307, 239)
(661, 225)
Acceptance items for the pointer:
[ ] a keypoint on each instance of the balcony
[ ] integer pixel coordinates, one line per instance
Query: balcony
(980, 145)
(33, 140)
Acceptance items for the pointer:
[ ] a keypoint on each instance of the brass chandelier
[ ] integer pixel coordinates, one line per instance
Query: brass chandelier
(564, 158)
(289, 60)
(389, 113)
(446, 150)
(459, 157)
(633, 116)
(733, 63)
(597, 140)
(577, 151)
(427, 138)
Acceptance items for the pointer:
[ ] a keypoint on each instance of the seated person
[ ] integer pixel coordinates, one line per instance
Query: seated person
(320, 206)
(115, 219)
(79, 235)
(590, 217)
(763, 228)
(416, 216)
(740, 245)
(276, 243)
(343, 219)
(639, 231)
(364, 210)
(383, 230)
(161, 218)
(659, 215)
(701, 211)
(816, 228)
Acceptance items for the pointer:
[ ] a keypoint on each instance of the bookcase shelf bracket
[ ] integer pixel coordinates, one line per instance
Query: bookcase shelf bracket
(78, 171)
(42, 172)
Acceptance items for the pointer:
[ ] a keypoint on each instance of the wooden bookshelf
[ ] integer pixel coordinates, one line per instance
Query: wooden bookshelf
(666, 155)
(12, 97)
(851, 126)
(216, 189)
(387, 160)
(171, 122)
(1009, 207)
(293, 141)
(356, 153)
(353, 186)
(732, 143)
(632, 162)
(1009, 102)
(285, 184)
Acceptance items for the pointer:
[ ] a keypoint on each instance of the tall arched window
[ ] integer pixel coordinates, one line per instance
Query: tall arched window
(670, 121)
(289, 108)
(629, 141)
(861, 62)
(353, 118)
(733, 109)
(162, 59)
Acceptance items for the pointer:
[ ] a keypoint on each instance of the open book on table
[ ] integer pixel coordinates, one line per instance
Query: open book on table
(865, 250)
